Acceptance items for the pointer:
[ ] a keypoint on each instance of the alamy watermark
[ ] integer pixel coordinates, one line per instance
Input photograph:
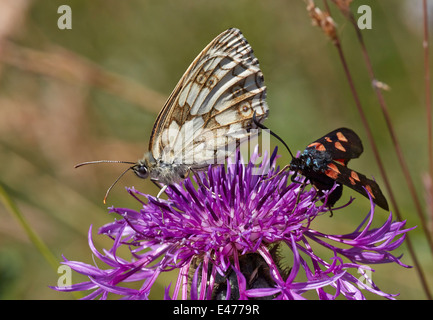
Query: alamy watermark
(365, 20)
(65, 278)
(365, 280)
(65, 20)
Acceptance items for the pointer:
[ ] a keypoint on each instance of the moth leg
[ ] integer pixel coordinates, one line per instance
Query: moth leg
(279, 172)
(298, 197)
(330, 211)
(296, 181)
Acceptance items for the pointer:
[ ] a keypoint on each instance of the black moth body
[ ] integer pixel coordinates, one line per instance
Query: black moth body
(324, 162)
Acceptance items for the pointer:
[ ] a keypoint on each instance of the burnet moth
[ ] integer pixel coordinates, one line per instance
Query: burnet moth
(324, 162)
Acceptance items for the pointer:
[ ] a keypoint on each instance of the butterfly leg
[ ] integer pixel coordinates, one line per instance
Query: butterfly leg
(161, 191)
(201, 184)
(159, 194)
(198, 179)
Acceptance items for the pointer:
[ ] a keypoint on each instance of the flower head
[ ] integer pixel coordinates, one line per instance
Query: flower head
(229, 230)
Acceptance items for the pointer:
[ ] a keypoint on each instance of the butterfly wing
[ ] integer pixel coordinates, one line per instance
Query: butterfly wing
(341, 144)
(212, 105)
(357, 182)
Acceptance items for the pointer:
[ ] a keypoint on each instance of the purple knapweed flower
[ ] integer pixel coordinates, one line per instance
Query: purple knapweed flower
(231, 230)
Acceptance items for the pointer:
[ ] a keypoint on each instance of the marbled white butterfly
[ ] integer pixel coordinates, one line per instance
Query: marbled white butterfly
(208, 114)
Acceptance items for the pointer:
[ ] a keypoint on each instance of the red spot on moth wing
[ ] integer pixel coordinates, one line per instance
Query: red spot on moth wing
(333, 171)
(317, 145)
(354, 175)
(341, 137)
(370, 191)
(339, 146)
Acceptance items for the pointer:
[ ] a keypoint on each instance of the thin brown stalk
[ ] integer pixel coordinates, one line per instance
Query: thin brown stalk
(427, 87)
(428, 106)
(376, 151)
(383, 173)
(400, 156)
(318, 17)
(396, 144)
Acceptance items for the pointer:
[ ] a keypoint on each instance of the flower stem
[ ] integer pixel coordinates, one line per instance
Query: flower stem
(10, 206)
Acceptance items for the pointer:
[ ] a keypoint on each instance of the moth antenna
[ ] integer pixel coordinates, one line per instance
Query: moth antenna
(258, 124)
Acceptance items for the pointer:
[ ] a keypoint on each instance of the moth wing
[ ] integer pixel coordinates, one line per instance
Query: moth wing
(358, 182)
(341, 144)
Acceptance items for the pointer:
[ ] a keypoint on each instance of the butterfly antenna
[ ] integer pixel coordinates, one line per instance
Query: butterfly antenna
(258, 124)
(108, 161)
(118, 178)
(101, 161)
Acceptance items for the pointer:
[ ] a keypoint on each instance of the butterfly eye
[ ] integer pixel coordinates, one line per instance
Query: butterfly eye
(141, 170)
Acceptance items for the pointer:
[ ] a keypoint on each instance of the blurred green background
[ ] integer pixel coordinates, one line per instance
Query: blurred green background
(93, 92)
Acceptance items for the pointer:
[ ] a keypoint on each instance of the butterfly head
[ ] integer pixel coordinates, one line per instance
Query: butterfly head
(141, 169)
(166, 173)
